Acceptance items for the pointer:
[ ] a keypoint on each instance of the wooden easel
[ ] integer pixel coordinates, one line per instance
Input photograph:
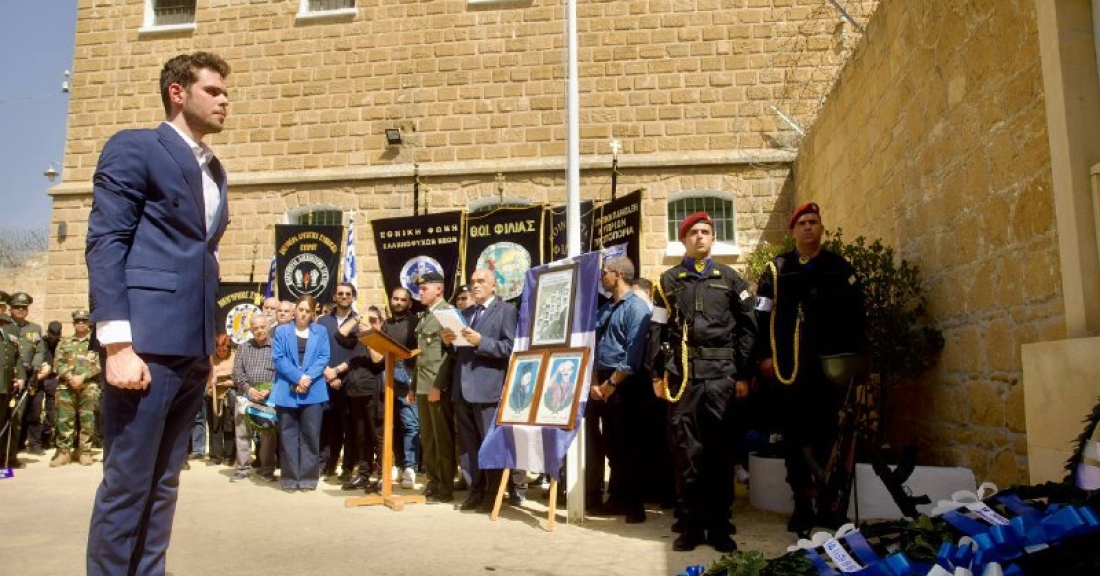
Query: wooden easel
(500, 499)
(392, 351)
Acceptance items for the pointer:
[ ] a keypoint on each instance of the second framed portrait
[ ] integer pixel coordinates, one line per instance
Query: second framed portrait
(562, 384)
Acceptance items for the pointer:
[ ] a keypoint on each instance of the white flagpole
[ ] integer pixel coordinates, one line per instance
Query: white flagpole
(574, 458)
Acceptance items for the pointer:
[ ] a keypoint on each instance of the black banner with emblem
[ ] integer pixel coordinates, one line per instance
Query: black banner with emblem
(507, 241)
(412, 245)
(557, 240)
(237, 302)
(307, 260)
(619, 222)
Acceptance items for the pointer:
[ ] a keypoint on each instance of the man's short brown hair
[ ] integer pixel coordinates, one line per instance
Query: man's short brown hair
(183, 70)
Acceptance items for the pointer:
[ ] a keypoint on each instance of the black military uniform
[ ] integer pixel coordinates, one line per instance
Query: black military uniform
(10, 371)
(38, 422)
(816, 305)
(710, 323)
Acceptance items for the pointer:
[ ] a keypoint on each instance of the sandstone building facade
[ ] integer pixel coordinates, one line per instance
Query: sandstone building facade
(477, 89)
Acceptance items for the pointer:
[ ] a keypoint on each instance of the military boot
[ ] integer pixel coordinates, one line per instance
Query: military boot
(61, 459)
(85, 459)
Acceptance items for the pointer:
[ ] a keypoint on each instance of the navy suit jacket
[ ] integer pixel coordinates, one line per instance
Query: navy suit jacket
(480, 370)
(150, 256)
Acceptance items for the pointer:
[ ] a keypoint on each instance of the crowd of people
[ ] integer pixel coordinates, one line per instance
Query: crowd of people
(302, 399)
(307, 394)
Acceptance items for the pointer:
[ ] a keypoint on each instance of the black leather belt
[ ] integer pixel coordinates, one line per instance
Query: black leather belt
(710, 353)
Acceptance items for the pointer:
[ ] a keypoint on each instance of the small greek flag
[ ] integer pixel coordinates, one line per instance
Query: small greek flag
(270, 291)
(349, 254)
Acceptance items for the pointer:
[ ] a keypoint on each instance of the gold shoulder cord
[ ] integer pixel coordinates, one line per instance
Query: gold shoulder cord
(683, 352)
(797, 327)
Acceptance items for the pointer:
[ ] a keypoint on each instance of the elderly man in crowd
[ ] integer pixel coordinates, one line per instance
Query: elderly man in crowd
(252, 366)
(479, 380)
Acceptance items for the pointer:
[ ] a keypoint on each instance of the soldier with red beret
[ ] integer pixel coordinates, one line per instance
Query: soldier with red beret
(707, 339)
(809, 304)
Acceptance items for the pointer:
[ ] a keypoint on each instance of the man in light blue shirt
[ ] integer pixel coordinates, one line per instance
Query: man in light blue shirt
(617, 394)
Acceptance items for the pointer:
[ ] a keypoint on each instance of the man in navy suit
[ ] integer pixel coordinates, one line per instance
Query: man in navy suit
(479, 379)
(158, 211)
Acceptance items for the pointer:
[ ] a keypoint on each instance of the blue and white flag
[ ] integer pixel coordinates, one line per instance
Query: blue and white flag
(349, 258)
(541, 449)
(270, 290)
(349, 252)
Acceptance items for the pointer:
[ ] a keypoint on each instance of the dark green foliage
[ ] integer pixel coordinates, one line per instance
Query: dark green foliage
(1091, 422)
(900, 339)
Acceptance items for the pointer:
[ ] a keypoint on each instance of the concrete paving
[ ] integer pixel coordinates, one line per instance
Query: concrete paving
(253, 527)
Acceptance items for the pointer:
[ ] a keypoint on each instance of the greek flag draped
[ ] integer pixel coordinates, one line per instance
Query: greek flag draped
(541, 449)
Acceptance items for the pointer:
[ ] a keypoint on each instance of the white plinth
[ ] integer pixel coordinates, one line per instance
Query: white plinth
(768, 489)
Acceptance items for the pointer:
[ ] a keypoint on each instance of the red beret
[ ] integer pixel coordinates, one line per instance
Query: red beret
(693, 220)
(806, 208)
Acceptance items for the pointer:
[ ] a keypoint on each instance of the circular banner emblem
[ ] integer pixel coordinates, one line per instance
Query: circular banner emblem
(415, 267)
(237, 322)
(509, 262)
(306, 274)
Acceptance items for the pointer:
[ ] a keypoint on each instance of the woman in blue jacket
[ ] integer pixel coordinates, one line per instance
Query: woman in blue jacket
(300, 353)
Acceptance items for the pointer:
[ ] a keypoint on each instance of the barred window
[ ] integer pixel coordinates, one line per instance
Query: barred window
(318, 216)
(173, 12)
(329, 5)
(721, 208)
(486, 205)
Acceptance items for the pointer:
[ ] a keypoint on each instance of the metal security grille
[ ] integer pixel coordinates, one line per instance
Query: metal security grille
(506, 203)
(322, 217)
(169, 12)
(720, 209)
(326, 5)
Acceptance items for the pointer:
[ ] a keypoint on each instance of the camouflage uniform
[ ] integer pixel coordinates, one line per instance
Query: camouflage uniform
(74, 358)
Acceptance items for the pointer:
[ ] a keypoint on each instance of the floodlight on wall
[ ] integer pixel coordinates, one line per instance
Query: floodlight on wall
(393, 136)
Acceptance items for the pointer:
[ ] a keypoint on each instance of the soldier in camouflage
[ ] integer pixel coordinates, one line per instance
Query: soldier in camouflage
(9, 373)
(78, 370)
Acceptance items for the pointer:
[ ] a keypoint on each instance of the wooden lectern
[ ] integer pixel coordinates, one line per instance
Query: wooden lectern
(392, 351)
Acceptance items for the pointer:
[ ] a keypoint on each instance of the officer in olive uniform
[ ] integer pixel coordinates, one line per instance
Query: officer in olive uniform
(706, 341)
(432, 385)
(9, 378)
(809, 304)
(78, 370)
(32, 356)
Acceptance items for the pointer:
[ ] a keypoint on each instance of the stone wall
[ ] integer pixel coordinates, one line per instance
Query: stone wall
(934, 139)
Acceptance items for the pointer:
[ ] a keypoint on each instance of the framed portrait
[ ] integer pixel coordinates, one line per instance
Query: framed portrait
(562, 384)
(552, 320)
(517, 402)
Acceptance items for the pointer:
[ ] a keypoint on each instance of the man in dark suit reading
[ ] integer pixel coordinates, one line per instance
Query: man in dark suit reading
(479, 373)
(158, 211)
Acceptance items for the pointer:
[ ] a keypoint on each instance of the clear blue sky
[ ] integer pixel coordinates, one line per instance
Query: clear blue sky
(36, 41)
